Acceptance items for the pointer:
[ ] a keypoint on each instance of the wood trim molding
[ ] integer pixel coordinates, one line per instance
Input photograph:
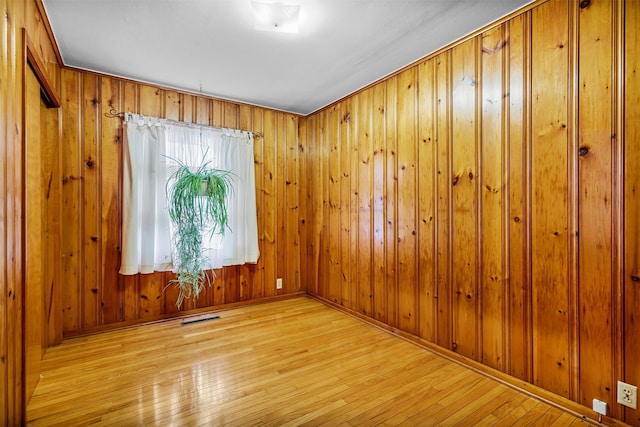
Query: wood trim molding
(47, 26)
(37, 65)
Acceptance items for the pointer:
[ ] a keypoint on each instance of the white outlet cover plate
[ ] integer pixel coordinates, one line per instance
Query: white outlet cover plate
(634, 391)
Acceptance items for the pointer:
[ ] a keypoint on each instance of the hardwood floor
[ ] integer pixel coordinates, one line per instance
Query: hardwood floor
(293, 362)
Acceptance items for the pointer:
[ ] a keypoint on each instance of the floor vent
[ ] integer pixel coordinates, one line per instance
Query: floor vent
(189, 322)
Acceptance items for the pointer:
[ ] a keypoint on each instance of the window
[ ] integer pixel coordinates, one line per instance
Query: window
(149, 147)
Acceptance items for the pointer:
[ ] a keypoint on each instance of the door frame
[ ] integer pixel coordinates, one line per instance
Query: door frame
(31, 63)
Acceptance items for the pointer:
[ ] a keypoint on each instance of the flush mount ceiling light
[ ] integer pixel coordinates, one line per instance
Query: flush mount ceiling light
(278, 17)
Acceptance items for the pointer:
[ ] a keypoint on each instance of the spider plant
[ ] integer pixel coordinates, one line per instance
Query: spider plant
(197, 206)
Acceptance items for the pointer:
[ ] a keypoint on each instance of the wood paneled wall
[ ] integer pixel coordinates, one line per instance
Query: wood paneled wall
(485, 199)
(95, 294)
(16, 15)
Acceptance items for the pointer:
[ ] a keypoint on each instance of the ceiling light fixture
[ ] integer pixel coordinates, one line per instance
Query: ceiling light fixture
(278, 17)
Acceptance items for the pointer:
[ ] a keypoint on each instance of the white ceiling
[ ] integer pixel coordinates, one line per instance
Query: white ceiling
(210, 46)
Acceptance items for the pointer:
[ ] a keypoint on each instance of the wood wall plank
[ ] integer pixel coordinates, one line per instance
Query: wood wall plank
(362, 132)
(291, 242)
(426, 189)
(550, 190)
(391, 205)
(347, 211)
(72, 203)
(379, 307)
(6, 323)
(596, 142)
(444, 289)
(464, 179)
(91, 164)
(333, 219)
(518, 172)
(492, 199)
(631, 188)
(406, 202)
(280, 200)
(315, 213)
(14, 205)
(111, 213)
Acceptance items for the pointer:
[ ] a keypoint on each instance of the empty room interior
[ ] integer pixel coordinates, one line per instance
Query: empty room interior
(310, 212)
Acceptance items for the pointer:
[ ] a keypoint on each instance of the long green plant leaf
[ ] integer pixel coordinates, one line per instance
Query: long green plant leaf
(197, 204)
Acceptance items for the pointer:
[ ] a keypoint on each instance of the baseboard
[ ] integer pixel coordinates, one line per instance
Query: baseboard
(191, 315)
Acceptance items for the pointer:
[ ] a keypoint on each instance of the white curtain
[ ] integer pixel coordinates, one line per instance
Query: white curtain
(151, 148)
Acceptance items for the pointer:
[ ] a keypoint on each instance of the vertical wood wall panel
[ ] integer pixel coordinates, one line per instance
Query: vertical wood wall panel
(550, 205)
(91, 165)
(333, 220)
(444, 241)
(596, 141)
(72, 203)
(492, 190)
(426, 189)
(495, 198)
(346, 212)
(379, 267)
(110, 152)
(362, 113)
(6, 323)
(280, 200)
(291, 244)
(13, 201)
(465, 198)
(314, 215)
(517, 172)
(391, 200)
(406, 227)
(631, 274)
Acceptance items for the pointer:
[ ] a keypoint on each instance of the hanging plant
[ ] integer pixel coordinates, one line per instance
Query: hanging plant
(197, 204)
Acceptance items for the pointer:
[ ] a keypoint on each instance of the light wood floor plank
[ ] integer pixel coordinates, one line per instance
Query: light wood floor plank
(293, 362)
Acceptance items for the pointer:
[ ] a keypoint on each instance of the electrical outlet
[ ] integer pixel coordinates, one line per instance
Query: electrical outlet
(279, 283)
(627, 395)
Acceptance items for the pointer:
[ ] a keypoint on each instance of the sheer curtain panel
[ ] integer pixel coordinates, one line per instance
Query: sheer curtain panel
(152, 147)
(146, 242)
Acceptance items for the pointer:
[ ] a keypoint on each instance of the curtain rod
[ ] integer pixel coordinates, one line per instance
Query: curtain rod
(115, 113)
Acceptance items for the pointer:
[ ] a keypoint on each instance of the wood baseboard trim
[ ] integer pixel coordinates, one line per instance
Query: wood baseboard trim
(191, 315)
(541, 394)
